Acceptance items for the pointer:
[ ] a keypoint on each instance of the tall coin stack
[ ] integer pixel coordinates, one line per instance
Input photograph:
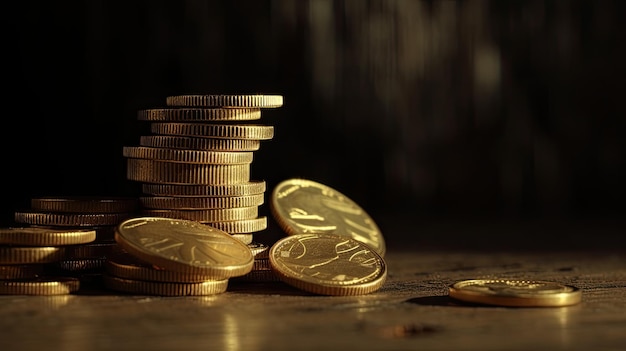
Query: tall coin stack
(196, 164)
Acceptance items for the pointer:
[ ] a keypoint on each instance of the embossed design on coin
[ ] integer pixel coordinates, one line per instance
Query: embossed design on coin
(515, 293)
(305, 206)
(327, 264)
(185, 246)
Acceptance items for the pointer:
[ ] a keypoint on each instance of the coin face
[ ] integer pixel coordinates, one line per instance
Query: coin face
(515, 293)
(327, 264)
(185, 246)
(305, 206)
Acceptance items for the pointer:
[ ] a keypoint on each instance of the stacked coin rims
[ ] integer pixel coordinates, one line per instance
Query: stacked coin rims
(196, 163)
(60, 243)
(175, 257)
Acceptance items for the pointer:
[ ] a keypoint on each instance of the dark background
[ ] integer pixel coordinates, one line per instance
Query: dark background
(495, 110)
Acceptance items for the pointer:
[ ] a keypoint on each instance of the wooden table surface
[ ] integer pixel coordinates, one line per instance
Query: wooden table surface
(412, 311)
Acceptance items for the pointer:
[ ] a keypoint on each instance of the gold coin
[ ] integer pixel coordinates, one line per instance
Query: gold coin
(252, 187)
(188, 156)
(185, 246)
(23, 271)
(256, 100)
(199, 143)
(199, 114)
(241, 226)
(69, 219)
(128, 267)
(227, 131)
(84, 204)
(515, 293)
(211, 215)
(305, 206)
(328, 264)
(104, 233)
(200, 202)
(145, 287)
(160, 172)
(31, 254)
(40, 286)
(38, 236)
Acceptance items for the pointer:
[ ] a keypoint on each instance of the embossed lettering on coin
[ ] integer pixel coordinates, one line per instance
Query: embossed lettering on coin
(186, 246)
(328, 264)
(305, 206)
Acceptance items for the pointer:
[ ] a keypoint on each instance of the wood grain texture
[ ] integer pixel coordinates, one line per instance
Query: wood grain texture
(410, 312)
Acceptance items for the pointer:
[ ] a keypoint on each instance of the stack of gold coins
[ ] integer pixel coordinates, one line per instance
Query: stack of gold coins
(26, 254)
(174, 257)
(196, 164)
(79, 214)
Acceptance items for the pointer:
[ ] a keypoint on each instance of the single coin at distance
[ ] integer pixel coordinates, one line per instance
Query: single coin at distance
(327, 264)
(185, 246)
(515, 293)
(305, 206)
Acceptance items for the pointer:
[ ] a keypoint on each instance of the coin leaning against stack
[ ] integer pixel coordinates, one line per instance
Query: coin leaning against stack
(195, 164)
(332, 247)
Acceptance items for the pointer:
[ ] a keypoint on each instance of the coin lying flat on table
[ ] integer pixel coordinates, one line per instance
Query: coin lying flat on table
(124, 265)
(327, 264)
(515, 293)
(305, 206)
(40, 286)
(185, 246)
(209, 287)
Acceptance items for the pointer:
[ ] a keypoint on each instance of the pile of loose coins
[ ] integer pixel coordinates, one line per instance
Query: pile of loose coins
(59, 243)
(191, 230)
